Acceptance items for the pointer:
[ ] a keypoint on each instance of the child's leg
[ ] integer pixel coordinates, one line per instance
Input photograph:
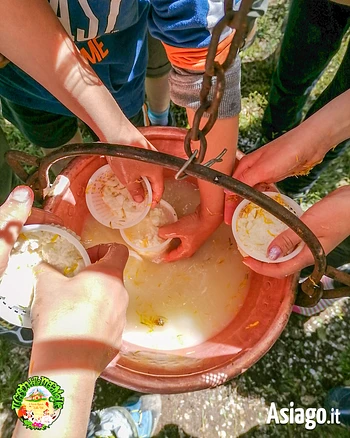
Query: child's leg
(46, 130)
(157, 86)
(43, 129)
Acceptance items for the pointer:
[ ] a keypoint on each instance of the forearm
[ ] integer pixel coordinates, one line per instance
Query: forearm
(32, 37)
(329, 126)
(78, 386)
(336, 207)
(74, 417)
(223, 135)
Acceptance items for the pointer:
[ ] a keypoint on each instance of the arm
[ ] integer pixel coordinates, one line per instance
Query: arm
(223, 135)
(55, 62)
(194, 229)
(297, 151)
(76, 334)
(186, 36)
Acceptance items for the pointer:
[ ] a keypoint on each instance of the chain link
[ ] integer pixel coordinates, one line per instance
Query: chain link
(236, 20)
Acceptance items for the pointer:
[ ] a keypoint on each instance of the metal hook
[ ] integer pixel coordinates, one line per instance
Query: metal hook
(210, 163)
(180, 177)
(215, 160)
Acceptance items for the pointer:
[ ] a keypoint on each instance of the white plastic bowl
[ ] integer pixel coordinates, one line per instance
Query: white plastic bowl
(101, 211)
(14, 313)
(151, 252)
(245, 244)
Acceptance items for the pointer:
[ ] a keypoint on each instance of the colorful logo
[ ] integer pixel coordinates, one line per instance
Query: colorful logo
(38, 402)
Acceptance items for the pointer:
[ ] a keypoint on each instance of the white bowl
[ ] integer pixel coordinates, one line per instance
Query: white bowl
(101, 211)
(13, 312)
(245, 232)
(152, 252)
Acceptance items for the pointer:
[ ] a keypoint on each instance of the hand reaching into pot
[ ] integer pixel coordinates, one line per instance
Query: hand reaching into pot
(193, 230)
(129, 173)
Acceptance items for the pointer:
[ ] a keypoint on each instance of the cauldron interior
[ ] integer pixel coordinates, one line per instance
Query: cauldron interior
(248, 337)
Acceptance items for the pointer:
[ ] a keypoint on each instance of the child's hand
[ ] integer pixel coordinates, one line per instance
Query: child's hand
(294, 153)
(81, 319)
(129, 173)
(193, 230)
(329, 221)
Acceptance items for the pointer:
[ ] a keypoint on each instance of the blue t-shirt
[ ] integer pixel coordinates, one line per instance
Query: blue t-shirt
(111, 35)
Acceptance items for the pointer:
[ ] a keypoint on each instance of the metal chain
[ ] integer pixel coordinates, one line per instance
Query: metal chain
(235, 20)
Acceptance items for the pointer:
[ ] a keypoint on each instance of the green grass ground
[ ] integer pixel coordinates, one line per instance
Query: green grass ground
(312, 355)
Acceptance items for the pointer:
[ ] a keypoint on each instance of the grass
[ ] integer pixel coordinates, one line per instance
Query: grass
(312, 355)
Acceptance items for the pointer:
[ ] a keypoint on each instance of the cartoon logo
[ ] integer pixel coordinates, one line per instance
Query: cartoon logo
(38, 402)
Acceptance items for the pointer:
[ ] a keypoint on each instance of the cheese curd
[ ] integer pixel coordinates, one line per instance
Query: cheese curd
(122, 206)
(31, 248)
(110, 203)
(145, 234)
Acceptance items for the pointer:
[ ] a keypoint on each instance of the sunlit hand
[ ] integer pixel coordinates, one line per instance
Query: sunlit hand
(84, 316)
(329, 221)
(193, 230)
(16, 211)
(13, 214)
(129, 173)
(294, 153)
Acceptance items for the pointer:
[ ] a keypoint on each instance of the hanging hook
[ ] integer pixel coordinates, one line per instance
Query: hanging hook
(180, 177)
(215, 160)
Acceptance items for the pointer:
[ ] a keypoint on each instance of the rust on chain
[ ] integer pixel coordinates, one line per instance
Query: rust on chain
(202, 150)
(213, 109)
(237, 21)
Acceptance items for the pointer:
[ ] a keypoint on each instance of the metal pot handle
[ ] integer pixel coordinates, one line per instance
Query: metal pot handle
(312, 290)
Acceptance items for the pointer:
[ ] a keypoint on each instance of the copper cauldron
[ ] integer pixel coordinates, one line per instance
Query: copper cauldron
(248, 337)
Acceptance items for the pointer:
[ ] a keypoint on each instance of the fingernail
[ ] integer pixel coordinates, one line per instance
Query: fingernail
(21, 194)
(274, 253)
(138, 198)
